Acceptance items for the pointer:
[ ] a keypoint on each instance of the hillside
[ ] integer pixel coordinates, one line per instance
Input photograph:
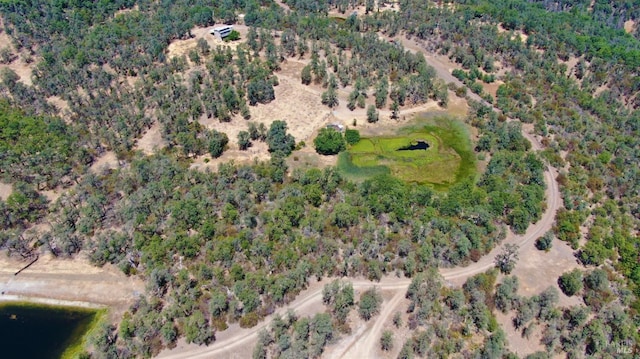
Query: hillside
(132, 138)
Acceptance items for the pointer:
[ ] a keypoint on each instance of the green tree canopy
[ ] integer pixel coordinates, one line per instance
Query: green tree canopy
(279, 140)
(329, 142)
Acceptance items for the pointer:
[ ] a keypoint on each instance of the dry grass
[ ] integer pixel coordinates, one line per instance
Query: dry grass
(307, 158)
(182, 47)
(257, 152)
(516, 343)
(295, 103)
(151, 141)
(629, 26)
(515, 33)
(107, 161)
(492, 88)
(22, 68)
(537, 271)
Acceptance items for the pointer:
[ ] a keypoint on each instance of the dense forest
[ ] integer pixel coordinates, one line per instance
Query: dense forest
(230, 246)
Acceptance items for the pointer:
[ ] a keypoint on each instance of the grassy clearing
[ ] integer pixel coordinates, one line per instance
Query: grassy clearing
(448, 159)
(355, 173)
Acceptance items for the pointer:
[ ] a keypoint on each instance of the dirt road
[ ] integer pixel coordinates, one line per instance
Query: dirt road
(364, 345)
(78, 281)
(231, 342)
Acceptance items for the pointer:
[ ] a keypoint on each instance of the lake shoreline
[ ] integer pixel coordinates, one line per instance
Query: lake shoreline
(20, 299)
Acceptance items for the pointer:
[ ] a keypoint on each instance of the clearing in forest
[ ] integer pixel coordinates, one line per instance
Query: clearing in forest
(435, 152)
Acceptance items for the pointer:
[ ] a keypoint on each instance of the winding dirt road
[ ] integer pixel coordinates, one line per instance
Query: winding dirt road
(233, 342)
(309, 301)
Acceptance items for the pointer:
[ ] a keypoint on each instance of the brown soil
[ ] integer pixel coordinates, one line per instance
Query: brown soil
(61, 105)
(52, 194)
(151, 141)
(492, 88)
(68, 281)
(629, 26)
(600, 90)
(515, 34)
(516, 342)
(182, 47)
(107, 161)
(5, 190)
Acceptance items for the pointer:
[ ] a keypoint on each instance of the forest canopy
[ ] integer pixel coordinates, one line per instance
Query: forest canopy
(249, 237)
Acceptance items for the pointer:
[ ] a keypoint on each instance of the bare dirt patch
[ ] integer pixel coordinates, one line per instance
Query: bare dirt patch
(18, 64)
(151, 141)
(61, 105)
(515, 33)
(5, 190)
(182, 47)
(52, 195)
(68, 280)
(492, 88)
(107, 161)
(516, 343)
(258, 151)
(571, 63)
(629, 26)
(600, 90)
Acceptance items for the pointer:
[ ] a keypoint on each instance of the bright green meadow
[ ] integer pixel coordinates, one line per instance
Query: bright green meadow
(448, 159)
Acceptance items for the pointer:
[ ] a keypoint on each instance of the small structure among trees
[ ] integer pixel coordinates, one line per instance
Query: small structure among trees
(220, 32)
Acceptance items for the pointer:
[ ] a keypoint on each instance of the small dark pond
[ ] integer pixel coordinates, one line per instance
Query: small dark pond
(36, 331)
(420, 145)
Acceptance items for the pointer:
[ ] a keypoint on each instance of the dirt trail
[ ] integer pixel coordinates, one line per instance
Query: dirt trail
(364, 346)
(78, 281)
(228, 345)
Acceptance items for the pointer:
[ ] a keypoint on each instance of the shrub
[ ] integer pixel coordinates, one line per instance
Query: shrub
(279, 140)
(352, 136)
(244, 140)
(329, 142)
(571, 282)
(217, 143)
(250, 320)
(372, 114)
(544, 243)
(233, 36)
(386, 340)
(369, 303)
